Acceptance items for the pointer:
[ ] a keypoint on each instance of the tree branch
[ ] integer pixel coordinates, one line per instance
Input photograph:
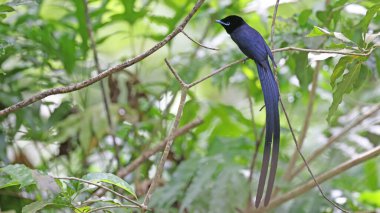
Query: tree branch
(323, 177)
(204, 46)
(274, 23)
(334, 138)
(305, 162)
(160, 167)
(117, 68)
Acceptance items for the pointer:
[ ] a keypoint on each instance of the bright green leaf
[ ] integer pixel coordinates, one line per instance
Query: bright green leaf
(317, 31)
(83, 209)
(110, 178)
(371, 174)
(371, 197)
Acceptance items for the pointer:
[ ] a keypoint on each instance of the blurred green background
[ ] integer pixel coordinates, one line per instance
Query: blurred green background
(44, 44)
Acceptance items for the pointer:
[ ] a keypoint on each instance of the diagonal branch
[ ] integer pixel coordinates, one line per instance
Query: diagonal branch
(204, 46)
(306, 164)
(334, 138)
(160, 167)
(323, 177)
(117, 68)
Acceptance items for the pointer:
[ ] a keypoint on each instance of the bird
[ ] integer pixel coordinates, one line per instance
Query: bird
(253, 45)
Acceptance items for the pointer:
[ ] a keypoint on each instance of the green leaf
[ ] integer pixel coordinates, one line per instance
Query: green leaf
(304, 17)
(343, 87)
(5, 8)
(317, 31)
(67, 52)
(364, 72)
(18, 174)
(301, 69)
(339, 69)
(364, 23)
(371, 174)
(36, 206)
(83, 209)
(110, 178)
(371, 197)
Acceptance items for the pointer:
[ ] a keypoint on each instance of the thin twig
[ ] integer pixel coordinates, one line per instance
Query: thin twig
(216, 72)
(340, 52)
(323, 177)
(204, 46)
(274, 22)
(179, 79)
(102, 88)
(148, 153)
(306, 123)
(305, 162)
(117, 68)
(203, 37)
(160, 167)
(334, 138)
(103, 187)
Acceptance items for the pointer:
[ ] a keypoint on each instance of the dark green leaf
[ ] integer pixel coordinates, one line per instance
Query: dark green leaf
(304, 17)
(301, 69)
(339, 69)
(344, 87)
(6, 8)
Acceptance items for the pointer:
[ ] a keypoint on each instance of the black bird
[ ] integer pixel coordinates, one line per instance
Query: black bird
(252, 44)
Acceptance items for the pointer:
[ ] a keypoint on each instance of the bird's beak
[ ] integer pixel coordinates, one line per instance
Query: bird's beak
(222, 23)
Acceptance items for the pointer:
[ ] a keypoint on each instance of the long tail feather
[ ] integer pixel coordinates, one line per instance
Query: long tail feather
(271, 96)
(276, 142)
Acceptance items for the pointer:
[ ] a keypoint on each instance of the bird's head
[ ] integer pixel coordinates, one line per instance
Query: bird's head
(231, 23)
